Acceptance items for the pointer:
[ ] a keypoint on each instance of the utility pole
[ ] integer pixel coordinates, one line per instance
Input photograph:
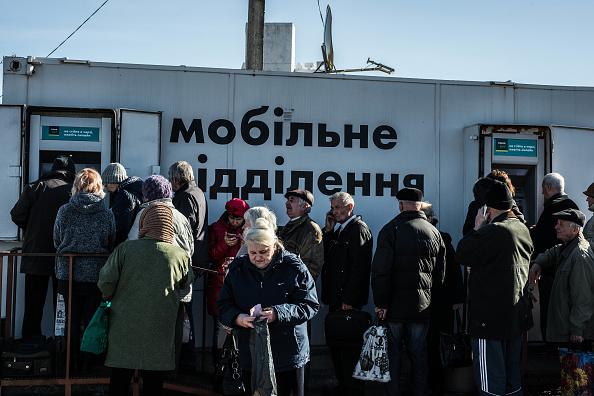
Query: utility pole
(254, 54)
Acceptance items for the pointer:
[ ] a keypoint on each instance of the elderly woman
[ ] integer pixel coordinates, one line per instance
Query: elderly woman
(250, 217)
(277, 280)
(142, 279)
(83, 225)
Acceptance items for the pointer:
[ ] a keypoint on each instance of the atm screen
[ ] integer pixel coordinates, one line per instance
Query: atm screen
(82, 159)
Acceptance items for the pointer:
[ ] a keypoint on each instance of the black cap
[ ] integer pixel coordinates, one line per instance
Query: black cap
(410, 194)
(303, 194)
(573, 215)
(499, 197)
(63, 163)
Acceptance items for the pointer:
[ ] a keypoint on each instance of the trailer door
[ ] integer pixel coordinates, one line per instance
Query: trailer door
(140, 142)
(573, 157)
(10, 167)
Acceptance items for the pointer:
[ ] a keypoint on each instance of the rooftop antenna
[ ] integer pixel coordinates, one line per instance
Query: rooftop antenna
(328, 54)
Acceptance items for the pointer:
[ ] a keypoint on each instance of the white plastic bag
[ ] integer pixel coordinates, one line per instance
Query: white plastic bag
(373, 364)
(60, 322)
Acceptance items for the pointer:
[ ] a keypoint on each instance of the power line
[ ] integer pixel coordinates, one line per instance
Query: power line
(320, 10)
(76, 30)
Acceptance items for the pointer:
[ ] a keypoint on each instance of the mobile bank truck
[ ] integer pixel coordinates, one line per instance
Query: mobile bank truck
(256, 135)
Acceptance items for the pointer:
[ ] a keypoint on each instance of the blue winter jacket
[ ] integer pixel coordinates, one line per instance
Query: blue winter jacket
(287, 287)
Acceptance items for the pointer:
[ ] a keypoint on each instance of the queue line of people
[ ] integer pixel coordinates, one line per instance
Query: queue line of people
(414, 274)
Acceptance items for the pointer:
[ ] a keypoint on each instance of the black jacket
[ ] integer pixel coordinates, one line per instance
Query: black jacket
(125, 204)
(543, 233)
(35, 212)
(473, 208)
(287, 286)
(347, 265)
(408, 261)
(190, 201)
(499, 256)
(449, 293)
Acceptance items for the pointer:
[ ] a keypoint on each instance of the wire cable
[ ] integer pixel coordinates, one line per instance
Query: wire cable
(76, 30)
(320, 10)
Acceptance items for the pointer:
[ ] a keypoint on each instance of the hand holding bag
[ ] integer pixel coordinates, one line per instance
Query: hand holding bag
(373, 364)
(229, 370)
(94, 339)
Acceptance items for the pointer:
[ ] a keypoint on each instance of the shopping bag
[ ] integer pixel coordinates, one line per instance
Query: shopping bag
(576, 372)
(455, 349)
(228, 370)
(94, 339)
(373, 364)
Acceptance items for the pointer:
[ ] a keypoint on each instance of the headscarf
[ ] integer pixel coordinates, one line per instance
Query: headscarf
(156, 222)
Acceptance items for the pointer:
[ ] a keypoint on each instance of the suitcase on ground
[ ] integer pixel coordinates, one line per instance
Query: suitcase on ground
(28, 358)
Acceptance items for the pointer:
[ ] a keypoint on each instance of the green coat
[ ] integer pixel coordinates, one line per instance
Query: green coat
(572, 297)
(142, 277)
(304, 238)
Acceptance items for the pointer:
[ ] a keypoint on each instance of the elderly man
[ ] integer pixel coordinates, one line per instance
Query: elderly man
(544, 236)
(190, 201)
(589, 227)
(408, 262)
(35, 213)
(348, 245)
(498, 252)
(572, 296)
(301, 235)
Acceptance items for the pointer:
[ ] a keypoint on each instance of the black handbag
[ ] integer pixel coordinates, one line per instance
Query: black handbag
(455, 349)
(28, 358)
(346, 328)
(229, 370)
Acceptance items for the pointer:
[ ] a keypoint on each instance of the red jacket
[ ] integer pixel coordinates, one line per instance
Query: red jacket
(218, 250)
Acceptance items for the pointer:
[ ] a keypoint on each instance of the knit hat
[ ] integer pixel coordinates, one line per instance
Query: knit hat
(63, 163)
(499, 197)
(236, 207)
(410, 194)
(156, 187)
(156, 222)
(114, 173)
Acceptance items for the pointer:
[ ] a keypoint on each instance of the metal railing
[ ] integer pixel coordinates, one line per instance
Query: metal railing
(9, 329)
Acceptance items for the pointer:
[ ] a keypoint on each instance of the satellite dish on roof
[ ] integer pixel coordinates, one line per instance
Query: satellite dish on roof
(327, 49)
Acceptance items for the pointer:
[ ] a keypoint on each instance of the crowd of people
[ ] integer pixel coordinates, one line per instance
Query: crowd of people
(142, 239)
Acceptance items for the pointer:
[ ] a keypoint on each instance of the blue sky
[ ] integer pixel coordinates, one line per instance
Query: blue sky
(541, 42)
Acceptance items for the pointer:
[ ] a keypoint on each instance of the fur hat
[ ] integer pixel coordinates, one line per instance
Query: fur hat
(114, 173)
(156, 187)
(499, 197)
(63, 163)
(410, 194)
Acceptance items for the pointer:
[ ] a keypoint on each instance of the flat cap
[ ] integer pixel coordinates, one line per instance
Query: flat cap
(303, 194)
(573, 215)
(410, 194)
(590, 191)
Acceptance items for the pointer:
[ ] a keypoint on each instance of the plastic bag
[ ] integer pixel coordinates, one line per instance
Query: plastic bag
(373, 364)
(94, 339)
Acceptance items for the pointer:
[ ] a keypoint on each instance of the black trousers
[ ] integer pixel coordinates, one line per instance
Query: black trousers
(35, 294)
(545, 285)
(86, 298)
(344, 360)
(119, 382)
(288, 383)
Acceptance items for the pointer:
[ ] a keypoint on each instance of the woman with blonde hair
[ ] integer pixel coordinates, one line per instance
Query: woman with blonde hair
(83, 225)
(272, 284)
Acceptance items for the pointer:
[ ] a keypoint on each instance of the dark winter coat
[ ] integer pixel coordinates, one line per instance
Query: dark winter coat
(190, 201)
(408, 261)
(218, 252)
(473, 208)
(303, 237)
(451, 292)
(125, 203)
(543, 233)
(499, 256)
(347, 265)
(286, 286)
(35, 212)
(84, 225)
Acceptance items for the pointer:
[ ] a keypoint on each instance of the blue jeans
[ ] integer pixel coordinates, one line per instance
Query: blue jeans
(414, 335)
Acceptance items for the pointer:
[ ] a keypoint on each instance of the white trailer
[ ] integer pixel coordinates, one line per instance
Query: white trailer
(257, 134)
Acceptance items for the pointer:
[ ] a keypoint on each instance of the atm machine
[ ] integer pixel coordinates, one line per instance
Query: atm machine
(93, 137)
